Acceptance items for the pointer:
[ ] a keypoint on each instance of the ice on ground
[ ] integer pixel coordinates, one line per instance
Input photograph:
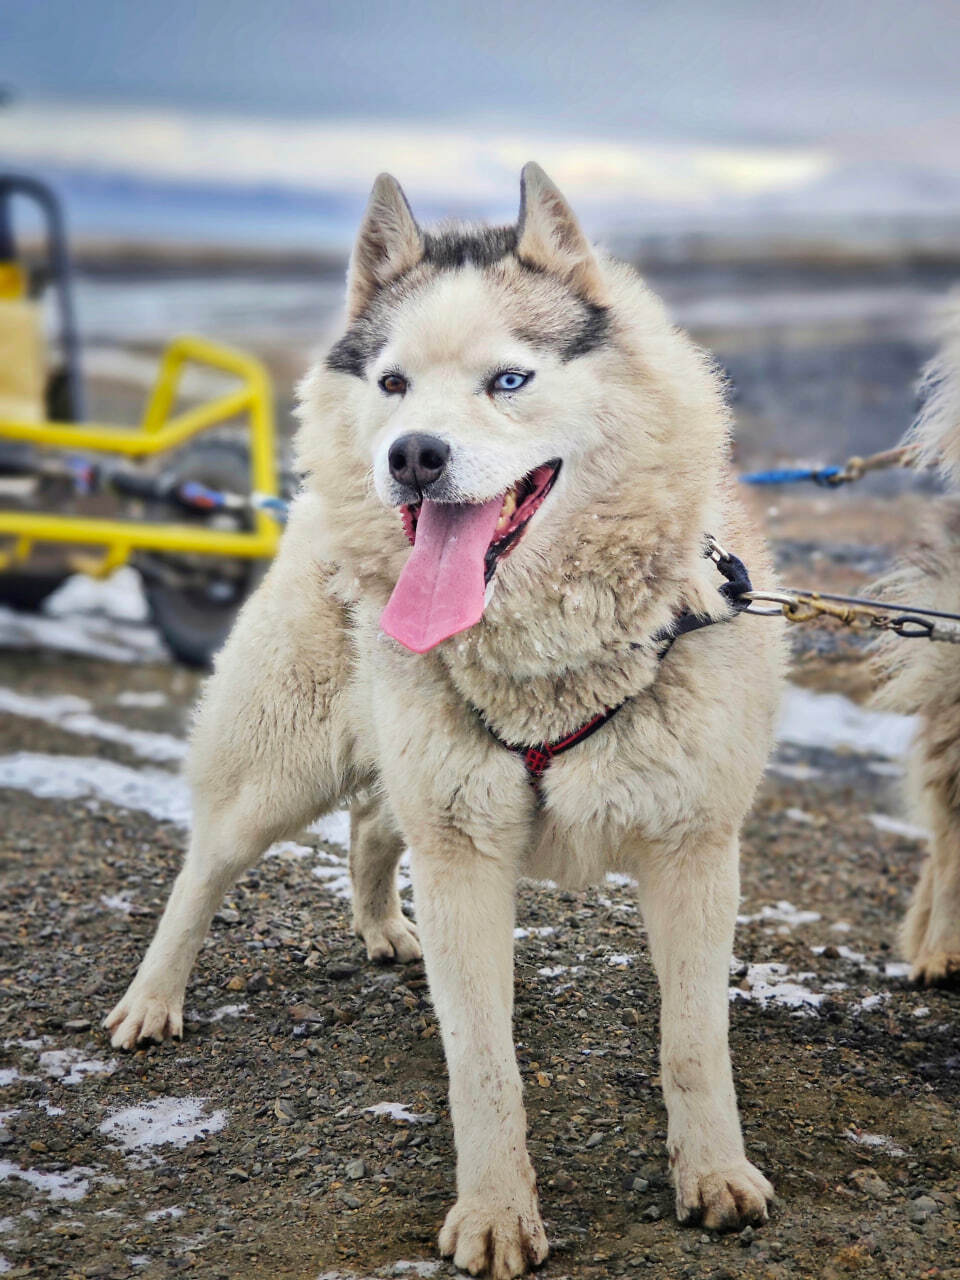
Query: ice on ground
(781, 913)
(117, 902)
(620, 960)
(164, 796)
(71, 1184)
(74, 715)
(535, 931)
(798, 815)
(845, 953)
(876, 1141)
(224, 1011)
(7, 1076)
(173, 1121)
(897, 828)
(92, 637)
(333, 827)
(70, 1066)
(832, 722)
(796, 772)
(896, 969)
(148, 699)
(120, 596)
(869, 1003)
(158, 1214)
(398, 1111)
(774, 984)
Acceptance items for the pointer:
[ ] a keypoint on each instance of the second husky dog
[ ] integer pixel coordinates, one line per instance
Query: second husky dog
(523, 412)
(926, 678)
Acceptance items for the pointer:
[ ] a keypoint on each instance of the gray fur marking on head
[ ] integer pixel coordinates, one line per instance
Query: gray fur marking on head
(451, 250)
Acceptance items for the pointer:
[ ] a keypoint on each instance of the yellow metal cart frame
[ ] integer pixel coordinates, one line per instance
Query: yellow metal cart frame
(158, 433)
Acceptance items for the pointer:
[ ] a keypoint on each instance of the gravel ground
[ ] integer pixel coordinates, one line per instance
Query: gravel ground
(263, 1143)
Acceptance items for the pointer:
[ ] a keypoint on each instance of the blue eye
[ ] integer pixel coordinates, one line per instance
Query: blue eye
(509, 380)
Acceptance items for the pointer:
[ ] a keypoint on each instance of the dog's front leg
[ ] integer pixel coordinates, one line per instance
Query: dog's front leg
(689, 902)
(465, 910)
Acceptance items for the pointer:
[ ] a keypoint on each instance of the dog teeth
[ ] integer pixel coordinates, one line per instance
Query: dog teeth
(506, 512)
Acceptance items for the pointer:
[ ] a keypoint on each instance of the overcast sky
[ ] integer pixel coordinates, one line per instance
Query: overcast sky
(713, 70)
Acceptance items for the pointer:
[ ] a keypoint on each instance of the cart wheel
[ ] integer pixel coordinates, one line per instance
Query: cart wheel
(27, 591)
(195, 619)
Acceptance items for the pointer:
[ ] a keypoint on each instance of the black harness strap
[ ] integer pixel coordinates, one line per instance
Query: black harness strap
(536, 759)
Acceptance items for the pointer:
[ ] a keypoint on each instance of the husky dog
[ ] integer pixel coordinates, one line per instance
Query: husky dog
(522, 411)
(924, 679)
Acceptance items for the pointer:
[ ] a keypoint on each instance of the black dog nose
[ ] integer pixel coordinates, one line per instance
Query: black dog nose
(417, 460)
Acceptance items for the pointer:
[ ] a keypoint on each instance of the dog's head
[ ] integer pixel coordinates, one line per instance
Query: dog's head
(489, 384)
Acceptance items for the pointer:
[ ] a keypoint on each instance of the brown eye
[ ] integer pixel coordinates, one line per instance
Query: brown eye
(393, 384)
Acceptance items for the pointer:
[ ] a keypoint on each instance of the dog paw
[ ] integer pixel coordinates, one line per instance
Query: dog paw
(723, 1199)
(144, 1016)
(500, 1240)
(936, 969)
(389, 940)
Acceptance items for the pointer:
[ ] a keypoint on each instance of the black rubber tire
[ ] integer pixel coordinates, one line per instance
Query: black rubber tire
(27, 591)
(195, 624)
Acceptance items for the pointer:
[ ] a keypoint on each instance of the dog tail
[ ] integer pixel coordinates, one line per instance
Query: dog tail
(937, 430)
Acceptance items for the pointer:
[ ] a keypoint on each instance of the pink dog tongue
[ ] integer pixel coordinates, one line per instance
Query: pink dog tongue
(441, 588)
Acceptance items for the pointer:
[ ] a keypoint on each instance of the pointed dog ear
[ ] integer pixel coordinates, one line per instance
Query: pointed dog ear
(549, 236)
(389, 243)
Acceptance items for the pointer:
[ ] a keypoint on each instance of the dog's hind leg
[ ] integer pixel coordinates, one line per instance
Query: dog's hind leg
(689, 903)
(375, 849)
(272, 748)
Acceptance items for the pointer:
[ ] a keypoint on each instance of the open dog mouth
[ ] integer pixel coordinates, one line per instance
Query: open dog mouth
(456, 549)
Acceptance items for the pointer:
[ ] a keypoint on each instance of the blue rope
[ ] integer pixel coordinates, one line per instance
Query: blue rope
(791, 475)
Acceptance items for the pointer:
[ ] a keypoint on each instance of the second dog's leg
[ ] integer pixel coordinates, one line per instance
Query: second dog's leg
(689, 902)
(375, 849)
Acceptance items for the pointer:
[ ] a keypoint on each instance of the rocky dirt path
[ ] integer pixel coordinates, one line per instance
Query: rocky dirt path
(301, 1128)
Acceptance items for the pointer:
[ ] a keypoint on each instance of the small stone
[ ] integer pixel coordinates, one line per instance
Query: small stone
(257, 982)
(37, 1145)
(355, 1169)
(341, 970)
(922, 1208)
(284, 1110)
(652, 1213)
(631, 1017)
(593, 1141)
(305, 1013)
(870, 1183)
(227, 915)
(746, 1237)
(237, 983)
(638, 1184)
(349, 1201)
(240, 1174)
(77, 1024)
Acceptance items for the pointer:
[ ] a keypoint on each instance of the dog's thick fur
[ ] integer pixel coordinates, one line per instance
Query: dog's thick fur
(924, 679)
(311, 704)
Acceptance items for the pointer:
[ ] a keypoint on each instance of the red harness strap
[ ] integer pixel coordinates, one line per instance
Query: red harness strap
(536, 760)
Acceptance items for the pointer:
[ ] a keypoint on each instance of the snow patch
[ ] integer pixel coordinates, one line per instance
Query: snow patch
(224, 1011)
(72, 1184)
(148, 699)
(832, 722)
(799, 815)
(398, 1111)
(897, 828)
(774, 984)
(120, 596)
(620, 960)
(74, 715)
(877, 1141)
(535, 931)
(869, 1003)
(781, 913)
(70, 1066)
(896, 969)
(158, 1215)
(173, 1121)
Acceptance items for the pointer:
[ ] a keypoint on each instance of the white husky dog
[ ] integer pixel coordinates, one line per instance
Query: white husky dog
(522, 411)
